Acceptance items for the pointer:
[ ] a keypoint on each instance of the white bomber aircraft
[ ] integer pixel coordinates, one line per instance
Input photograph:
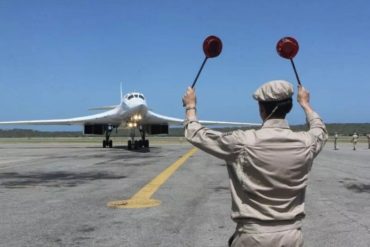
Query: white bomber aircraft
(132, 113)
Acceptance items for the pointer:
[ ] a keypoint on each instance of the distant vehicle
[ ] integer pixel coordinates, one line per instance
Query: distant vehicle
(132, 113)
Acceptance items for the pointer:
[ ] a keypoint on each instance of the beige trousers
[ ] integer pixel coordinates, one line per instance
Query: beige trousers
(285, 238)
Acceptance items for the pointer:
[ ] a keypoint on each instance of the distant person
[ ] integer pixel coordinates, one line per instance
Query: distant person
(368, 139)
(335, 141)
(354, 140)
(268, 168)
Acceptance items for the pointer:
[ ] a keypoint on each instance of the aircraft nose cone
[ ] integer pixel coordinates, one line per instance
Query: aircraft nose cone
(141, 108)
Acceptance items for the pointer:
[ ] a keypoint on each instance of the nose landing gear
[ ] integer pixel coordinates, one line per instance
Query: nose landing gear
(137, 144)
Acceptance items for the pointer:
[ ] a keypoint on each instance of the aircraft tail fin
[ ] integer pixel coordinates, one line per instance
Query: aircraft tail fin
(121, 91)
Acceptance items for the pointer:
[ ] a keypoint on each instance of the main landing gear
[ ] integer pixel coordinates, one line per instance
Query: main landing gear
(107, 142)
(137, 144)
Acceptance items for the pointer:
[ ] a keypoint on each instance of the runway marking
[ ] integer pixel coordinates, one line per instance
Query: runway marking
(142, 199)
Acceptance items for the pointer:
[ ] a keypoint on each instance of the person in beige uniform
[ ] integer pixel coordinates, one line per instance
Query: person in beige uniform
(368, 140)
(268, 168)
(335, 140)
(354, 140)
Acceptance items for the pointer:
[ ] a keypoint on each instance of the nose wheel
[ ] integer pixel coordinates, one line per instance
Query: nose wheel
(137, 144)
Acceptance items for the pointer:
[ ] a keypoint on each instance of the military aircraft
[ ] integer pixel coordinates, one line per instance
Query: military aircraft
(132, 113)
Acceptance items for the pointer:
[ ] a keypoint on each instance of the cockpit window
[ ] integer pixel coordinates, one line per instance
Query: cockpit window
(136, 95)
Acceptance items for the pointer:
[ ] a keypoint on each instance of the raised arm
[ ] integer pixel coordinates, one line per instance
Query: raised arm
(222, 145)
(190, 103)
(317, 127)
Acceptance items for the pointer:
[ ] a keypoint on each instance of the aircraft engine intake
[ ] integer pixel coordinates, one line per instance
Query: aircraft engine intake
(156, 129)
(95, 129)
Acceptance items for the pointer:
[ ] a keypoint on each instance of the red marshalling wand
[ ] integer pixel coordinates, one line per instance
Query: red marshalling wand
(212, 47)
(288, 47)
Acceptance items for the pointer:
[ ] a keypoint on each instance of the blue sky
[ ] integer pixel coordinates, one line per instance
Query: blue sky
(60, 58)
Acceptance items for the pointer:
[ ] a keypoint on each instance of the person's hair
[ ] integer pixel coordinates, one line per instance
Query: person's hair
(283, 107)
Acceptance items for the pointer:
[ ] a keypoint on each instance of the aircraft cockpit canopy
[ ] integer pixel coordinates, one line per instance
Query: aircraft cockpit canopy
(135, 95)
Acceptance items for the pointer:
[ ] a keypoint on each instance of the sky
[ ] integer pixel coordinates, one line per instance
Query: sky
(58, 58)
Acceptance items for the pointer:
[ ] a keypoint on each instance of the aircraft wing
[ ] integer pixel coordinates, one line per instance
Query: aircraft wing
(155, 118)
(101, 118)
(111, 117)
(103, 108)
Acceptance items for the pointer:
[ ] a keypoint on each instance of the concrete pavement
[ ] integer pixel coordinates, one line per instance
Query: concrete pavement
(56, 194)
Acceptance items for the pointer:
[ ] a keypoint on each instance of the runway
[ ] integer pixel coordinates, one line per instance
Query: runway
(56, 194)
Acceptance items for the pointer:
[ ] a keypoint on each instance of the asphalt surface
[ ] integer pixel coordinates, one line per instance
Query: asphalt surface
(57, 194)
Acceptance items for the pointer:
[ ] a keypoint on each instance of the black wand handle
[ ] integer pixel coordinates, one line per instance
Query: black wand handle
(295, 71)
(200, 70)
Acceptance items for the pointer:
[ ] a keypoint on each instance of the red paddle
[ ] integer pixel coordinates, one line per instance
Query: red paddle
(212, 47)
(288, 47)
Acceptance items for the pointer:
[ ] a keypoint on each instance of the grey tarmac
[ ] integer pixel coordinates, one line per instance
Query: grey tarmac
(56, 194)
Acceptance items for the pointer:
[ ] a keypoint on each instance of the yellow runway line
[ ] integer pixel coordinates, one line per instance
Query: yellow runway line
(142, 198)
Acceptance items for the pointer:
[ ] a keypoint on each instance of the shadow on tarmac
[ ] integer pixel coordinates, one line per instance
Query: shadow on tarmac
(358, 187)
(52, 179)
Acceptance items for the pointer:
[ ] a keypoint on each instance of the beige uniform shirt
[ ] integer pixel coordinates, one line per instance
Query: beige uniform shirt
(355, 138)
(268, 168)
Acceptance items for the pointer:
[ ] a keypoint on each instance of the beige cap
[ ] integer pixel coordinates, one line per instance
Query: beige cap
(274, 91)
